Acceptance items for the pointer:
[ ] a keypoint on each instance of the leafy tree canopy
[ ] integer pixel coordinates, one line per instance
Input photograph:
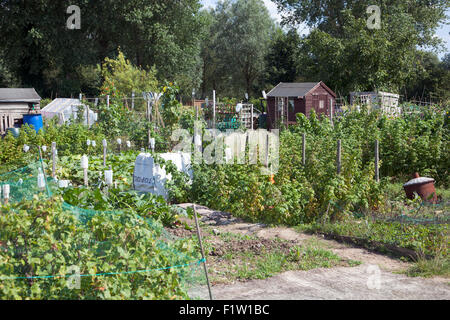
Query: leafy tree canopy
(342, 51)
(241, 31)
(43, 53)
(282, 59)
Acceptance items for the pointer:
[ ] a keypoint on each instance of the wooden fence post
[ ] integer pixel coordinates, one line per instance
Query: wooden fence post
(149, 139)
(331, 112)
(267, 149)
(304, 150)
(149, 111)
(377, 161)
(87, 116)
(107, 100)
(252, 116)
(339, 150)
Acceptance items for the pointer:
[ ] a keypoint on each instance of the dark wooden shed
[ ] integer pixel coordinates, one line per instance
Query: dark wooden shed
(14, 103)
(287, 99)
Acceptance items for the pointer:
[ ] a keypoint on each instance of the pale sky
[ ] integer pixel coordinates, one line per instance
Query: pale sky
(443, 32)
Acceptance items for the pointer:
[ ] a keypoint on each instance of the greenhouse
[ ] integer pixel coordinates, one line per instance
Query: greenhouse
(67, 110)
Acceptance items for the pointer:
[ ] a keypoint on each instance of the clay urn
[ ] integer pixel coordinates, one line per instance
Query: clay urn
(423, 186)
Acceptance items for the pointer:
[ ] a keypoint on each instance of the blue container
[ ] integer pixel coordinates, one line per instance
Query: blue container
(34, 120)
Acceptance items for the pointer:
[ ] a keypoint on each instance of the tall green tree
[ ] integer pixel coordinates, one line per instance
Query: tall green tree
(446, 61)
(43, 53)
(239, 42)
(209, 56)
(7, 79)
(431, 79)
(282, 59)
(345, 53)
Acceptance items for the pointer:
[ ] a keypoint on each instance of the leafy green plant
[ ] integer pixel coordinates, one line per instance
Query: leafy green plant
(121, 78)
(170, 106)
(40, 242)
(144, 205)
(121, 164)
(430, 240)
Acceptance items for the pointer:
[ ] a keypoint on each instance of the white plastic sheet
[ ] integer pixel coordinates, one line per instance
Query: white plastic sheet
(151, 178)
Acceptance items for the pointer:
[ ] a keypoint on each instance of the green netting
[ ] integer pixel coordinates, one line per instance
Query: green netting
(168, 254)
(23, 182)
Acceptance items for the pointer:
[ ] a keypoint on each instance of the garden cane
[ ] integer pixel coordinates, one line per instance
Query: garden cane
(203, 253)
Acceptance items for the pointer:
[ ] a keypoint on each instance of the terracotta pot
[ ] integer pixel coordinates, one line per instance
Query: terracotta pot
(424, 187)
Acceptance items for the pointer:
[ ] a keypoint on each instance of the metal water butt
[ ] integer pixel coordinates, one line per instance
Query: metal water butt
(424, 187)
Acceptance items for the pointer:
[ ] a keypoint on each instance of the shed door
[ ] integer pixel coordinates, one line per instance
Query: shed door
(323, 104)
(315, 102)
(320, 104)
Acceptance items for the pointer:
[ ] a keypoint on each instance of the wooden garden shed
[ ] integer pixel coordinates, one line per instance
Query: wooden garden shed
(287, 99)
(14, 103)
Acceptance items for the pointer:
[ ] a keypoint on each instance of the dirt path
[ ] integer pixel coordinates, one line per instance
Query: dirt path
(340, 283)
(377, 276)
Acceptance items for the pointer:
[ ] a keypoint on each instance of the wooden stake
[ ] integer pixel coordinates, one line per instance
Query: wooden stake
(286, 110)
(202, 251)
(331, 112)
(252, 117)
(104, 153)
(214, 109)
(267, 149)
(339, 150)
(377, 161)
(149, 138)
(304, 150)
(87, 116)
